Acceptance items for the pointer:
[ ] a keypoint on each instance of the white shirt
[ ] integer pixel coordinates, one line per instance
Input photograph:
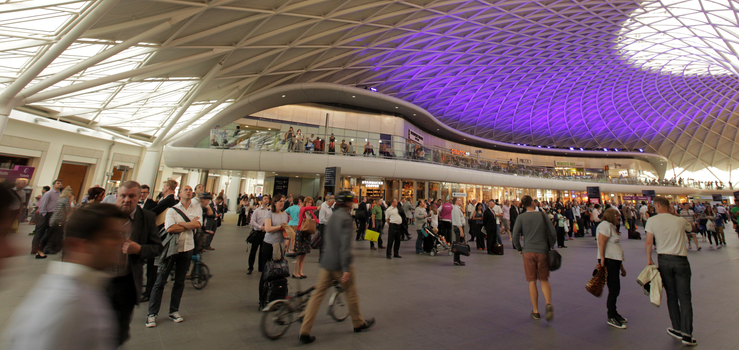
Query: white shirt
(391, 213)
(325, 213)
(614, 250)
(643, 210)
(186, 241)
(470, 210)
(434, 219)
(720, 209)
(576, 211)
(110, 199)
(669, 233)
(498, 211)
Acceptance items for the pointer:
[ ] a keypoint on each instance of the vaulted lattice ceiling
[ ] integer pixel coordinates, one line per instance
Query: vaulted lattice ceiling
(657, 75)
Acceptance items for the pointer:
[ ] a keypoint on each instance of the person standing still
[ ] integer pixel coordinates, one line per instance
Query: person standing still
(394, 230)
(538, 238)
(377, 224)
(421, 218)
(46, 207)
(674, 268)
(257, 226)
(458, 222)
(336, 265)
(611, 256)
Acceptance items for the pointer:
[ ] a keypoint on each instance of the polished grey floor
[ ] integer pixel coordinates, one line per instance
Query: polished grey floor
(423, 302)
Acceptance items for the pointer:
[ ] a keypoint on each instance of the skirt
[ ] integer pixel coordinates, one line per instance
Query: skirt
(302, 243)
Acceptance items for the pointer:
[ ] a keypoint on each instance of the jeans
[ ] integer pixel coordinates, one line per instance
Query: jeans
(594, 227)
(325, 277)
(614, 285)
(419, 241)
(379, 225)
(675, 273)
(393, 239)
(180, 262)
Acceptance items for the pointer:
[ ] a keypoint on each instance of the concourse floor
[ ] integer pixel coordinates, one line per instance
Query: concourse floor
(424, 302)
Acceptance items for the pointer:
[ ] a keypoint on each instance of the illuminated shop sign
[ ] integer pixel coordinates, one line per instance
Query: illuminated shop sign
(460, 153)
(372, 183)
(526, 161)
(569, 164)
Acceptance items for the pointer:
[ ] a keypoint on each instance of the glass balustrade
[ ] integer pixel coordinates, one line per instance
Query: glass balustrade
(402, 149)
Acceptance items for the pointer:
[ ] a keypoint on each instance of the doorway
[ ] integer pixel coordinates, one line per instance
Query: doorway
(74, 175)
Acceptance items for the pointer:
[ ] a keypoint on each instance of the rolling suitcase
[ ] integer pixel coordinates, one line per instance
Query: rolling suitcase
(495, 249)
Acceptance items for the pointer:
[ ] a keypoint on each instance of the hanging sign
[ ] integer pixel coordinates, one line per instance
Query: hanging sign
(415, 137)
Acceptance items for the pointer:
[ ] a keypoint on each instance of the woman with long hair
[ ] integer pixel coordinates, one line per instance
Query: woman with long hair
(611, 256)
(302, 239)
(477, 226)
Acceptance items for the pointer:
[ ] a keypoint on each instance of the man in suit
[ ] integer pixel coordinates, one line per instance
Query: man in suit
(145, 202)
(361, 215)
(143, 243)
(491, 225)
(165, 203)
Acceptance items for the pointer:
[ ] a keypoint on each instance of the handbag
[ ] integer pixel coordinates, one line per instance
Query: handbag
(308, 226)
(461, 248)
(276, 268)
(711, 226)
(596, 283)
(555, 259)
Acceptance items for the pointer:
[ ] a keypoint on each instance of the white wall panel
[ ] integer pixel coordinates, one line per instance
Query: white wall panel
(376, 167)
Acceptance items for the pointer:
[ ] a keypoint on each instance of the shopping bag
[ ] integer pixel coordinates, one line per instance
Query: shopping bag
(576, 227)
(371, 236)
(626, 224)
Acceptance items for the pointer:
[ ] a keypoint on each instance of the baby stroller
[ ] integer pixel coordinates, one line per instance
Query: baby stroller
(439, 243)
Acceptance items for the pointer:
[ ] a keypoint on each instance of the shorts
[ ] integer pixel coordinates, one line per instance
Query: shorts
(536, 266)
(506, 224)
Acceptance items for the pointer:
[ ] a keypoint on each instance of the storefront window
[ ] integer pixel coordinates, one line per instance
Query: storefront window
(373, 188)
(420, 190)
(407, 189)
(433, 190)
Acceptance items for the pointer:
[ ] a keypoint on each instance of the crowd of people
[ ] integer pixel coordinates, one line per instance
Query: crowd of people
(111, 242)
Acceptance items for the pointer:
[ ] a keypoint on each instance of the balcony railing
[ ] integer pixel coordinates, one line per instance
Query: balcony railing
(403, 149)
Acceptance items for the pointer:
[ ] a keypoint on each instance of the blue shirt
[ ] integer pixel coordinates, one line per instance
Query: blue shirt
(294, 212)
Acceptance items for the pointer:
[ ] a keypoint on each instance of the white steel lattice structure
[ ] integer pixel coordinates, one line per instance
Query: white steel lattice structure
(657, 75)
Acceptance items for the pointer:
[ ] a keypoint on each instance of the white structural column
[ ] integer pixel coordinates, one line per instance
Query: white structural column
(8, 97)
(232, 189)
(153, 156)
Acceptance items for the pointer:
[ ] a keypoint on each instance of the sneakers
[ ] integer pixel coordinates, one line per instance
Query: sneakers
(675, 334)
(535, 315)
(151, 321)
(613, 322)
(689, 341)
(621, 319)
(550, 312)
(175, 316)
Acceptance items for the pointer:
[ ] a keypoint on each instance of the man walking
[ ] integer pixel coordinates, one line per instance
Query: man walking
(674, 268)
(394, 230)
(143, 242)
(46, 207)
(538, 238)
(257, 226)
(68, 308)
(336, 265)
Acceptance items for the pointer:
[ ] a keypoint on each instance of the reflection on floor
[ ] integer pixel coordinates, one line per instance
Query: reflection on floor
(423, 302)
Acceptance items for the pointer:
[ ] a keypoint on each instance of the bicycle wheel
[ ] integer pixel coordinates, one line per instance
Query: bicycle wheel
(200, 279)
(337, 307)
(276, 320)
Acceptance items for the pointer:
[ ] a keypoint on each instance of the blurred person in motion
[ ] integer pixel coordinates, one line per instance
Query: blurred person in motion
(142, 242)
(68, 308)
(336, 265)
(7, 219)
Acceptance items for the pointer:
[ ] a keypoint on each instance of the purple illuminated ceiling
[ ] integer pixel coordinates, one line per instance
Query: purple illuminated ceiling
(594, 74)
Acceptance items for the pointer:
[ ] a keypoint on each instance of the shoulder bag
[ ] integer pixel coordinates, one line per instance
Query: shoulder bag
(308, 226)
(163, 232)
(595, 285)
(276, 268)
(555, 259)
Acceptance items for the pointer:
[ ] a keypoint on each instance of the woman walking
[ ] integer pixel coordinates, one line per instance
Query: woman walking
(611, 256)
